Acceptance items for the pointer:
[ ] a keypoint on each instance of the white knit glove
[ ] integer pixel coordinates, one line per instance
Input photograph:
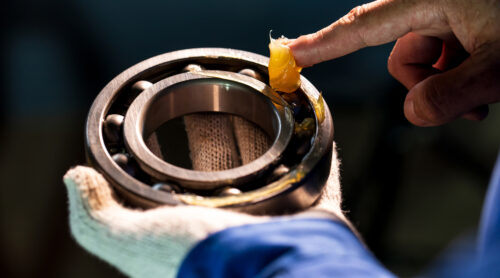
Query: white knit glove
(153, 243)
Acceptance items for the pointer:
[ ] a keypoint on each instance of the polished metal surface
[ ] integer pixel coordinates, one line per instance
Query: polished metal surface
(229, 191)
(194, 92)
(252, 73)
(141, 85)
(192, 67)
(293, 187)
(113, 128)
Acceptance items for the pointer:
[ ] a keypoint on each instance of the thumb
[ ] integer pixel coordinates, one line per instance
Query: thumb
(149, 243)
(113, 233)
(444, 97)
(88, 190)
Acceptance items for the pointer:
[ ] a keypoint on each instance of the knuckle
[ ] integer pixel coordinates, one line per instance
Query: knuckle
(318, 36)
(356, 17)
(316, 39)
(395, 66)
(392, 66)
(354, 14)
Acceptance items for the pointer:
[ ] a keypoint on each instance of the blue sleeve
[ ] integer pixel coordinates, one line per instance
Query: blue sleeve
(489, 234)
(483, 258)
(283, 248)
(326, 248)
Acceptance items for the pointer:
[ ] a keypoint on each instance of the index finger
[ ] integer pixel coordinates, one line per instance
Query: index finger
(370, 24)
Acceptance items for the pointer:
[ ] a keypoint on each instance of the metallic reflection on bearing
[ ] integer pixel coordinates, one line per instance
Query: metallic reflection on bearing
(188, 93)
(288, 177)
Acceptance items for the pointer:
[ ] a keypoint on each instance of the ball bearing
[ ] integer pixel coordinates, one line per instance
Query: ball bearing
(288, 177)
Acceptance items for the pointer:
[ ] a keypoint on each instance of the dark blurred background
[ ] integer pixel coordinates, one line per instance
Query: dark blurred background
(410, 191)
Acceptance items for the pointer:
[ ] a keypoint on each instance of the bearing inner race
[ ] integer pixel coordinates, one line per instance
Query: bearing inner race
(193, 92)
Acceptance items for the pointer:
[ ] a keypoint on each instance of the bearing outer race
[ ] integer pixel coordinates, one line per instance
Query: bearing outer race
(301, 194)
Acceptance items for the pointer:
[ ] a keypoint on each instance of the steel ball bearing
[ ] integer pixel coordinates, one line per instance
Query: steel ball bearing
(288, 177)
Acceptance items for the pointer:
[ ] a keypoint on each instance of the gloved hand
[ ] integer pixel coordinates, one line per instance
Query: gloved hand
(153, 243)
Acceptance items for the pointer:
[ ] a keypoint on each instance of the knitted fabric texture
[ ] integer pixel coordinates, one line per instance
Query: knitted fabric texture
(154, 145)
(139, 243)
(252, 141)
(153, 243)
(219, 141)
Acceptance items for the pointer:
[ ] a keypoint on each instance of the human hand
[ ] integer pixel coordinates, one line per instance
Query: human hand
(153, 243)
(447, 52)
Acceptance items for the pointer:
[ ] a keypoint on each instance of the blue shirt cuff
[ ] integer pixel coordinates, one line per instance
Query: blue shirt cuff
(283, 248)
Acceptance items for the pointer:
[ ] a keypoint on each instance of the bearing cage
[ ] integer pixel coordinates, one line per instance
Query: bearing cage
(293, 190)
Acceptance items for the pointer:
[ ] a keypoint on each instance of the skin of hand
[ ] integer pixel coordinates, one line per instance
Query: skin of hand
(447, 52)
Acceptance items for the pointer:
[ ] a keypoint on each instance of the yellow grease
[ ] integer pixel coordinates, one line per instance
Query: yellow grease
(319, 108)
(306, 127)
(278, 186)
(284, 74)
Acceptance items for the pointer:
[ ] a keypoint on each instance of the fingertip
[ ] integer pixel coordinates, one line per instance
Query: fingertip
(301, 51)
